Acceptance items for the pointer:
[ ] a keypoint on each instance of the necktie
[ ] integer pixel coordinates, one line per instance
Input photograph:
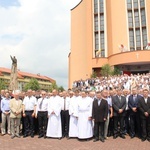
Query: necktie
(134, 97)
(40, 106)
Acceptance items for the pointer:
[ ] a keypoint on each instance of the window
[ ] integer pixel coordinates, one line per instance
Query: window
(136, 18)
(144, 35)
(143, 17)
(96, 41)
(95, 6)
(101, 22)
(129, 4)
(131, 35)
(138, 39)
(135, 2)
(96, 23)
(130, 19)
(142, 3)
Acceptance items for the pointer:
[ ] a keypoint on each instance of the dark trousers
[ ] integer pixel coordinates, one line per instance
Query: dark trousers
(145, 127)
(118, 121)
(99, 130)
(135, 125)
(28, 123)
(111, 127)
(42, 122)
(126, 123)
(65, 122)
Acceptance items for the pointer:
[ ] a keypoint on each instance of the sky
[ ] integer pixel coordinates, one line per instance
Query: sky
(37, 32)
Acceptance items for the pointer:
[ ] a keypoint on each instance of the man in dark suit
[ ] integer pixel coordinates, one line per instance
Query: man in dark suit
(144, 107)
(119, 105)
(99, 115)
(135, 125)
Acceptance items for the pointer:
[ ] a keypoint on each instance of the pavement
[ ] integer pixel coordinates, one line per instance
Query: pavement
(6, 143)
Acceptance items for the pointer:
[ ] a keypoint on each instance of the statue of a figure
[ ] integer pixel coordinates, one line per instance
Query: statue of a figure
(13, 78)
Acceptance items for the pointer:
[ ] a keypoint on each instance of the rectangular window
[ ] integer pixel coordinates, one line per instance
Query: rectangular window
(96, 22)
(142, 3)
(135, 2)
(136, 18)
(96, 41)
(144, 35)
(130, 19)
(143, 17)
(95, 6)
(138, 39)
(131, 35)
(129, 4)
(101, 22)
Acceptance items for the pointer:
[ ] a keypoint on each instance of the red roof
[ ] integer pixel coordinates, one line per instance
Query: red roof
(21, 75)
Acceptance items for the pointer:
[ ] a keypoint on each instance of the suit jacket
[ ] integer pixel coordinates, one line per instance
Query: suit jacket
(116, 104)
(99, 112)
(144, 107)
(132, 103)
(15, 107)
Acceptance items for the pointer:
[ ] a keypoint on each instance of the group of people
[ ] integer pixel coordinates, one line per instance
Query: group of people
(124, 81)
(77, 114)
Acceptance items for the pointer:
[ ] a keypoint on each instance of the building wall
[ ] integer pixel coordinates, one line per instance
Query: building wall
(81, 59)
(81, 42)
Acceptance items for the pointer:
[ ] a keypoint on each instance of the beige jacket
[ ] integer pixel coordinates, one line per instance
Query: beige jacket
(15, 106)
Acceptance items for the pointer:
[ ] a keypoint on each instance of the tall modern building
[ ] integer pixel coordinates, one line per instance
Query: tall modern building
(116, 32)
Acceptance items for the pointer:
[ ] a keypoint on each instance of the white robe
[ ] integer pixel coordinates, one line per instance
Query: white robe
(85, 129)
(73, 128)
(54, 121)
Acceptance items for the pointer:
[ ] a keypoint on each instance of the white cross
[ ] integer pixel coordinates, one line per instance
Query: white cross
(137, 55)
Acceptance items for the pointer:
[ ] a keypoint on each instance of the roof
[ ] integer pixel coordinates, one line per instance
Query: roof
(21, 75)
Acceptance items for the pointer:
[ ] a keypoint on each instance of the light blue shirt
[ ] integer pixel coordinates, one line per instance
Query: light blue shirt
(5, 104)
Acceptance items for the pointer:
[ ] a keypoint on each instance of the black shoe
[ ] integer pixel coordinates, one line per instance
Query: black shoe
(95, 140)
(40, 136)
(122, 136)
(132, 136)
(45, 136)
(25, 136)
(32, 135)
(148, 139)
(59, 138)
(115, 136)
(143, 139)
(102, 140)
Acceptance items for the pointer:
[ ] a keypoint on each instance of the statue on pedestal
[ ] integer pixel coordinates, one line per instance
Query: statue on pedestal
(13, 77)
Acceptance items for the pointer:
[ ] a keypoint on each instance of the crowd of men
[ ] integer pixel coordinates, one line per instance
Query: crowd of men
(78, 114)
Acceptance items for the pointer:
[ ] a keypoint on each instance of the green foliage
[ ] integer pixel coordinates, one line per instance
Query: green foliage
(2, 84)
(106, 70)
(61, 89)
(94, 74)
(53, 86)
(33, 85)
(116, 71)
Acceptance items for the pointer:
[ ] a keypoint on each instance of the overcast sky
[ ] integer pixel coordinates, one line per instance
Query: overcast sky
(37, 32)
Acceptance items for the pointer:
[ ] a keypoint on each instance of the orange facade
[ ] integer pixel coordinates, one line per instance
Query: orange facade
(116, 37)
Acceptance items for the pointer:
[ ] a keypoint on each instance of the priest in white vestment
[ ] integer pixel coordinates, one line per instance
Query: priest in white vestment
(73, 112)
(54, 119)
(85, 128)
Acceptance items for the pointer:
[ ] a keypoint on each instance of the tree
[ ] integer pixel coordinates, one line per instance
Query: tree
(33, 85)
(94, 74)
(116, 71)
(2, 84)
(106, 70)
(61, 89)
(53, 86)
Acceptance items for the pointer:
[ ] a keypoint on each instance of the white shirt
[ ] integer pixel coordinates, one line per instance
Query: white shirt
(65, 103)
(44, 104)
(29, 103)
